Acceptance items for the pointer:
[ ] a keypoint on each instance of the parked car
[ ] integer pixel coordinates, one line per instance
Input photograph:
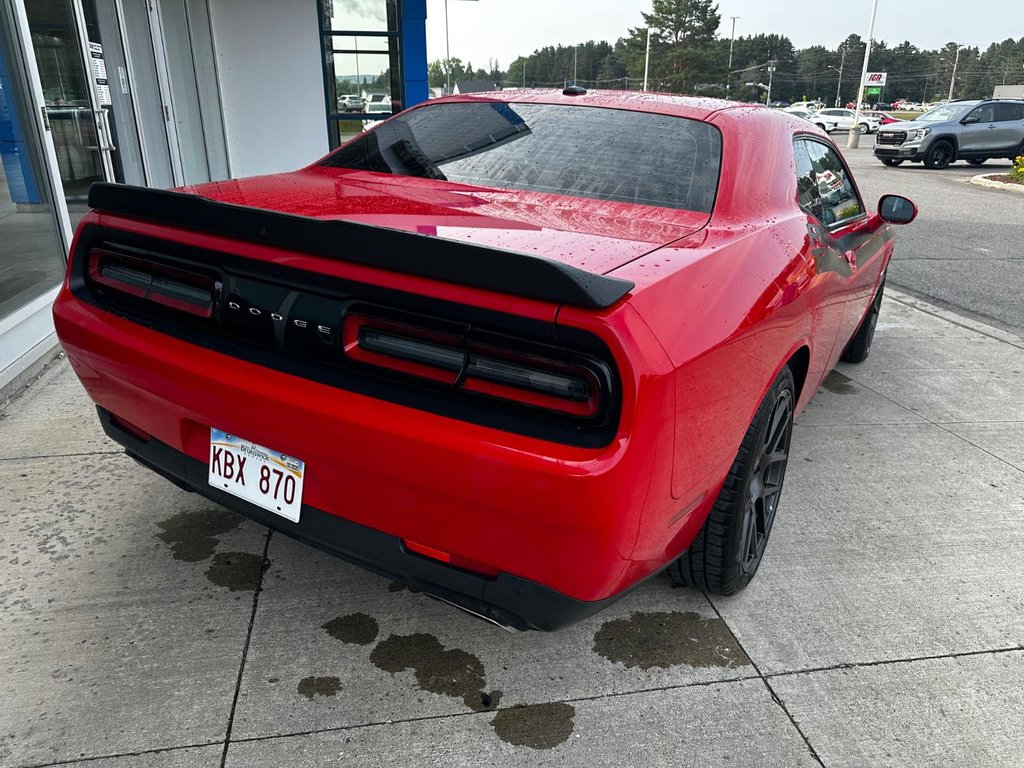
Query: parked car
(379, 109)
(882, 106)
(805, 106)
(778, 104)
(972, 130)
(520, 351)
(884, 118)
(846, 120)
(352, 103)
(826, 125)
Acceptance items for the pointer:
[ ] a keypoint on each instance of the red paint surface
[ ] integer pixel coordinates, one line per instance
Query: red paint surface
(721, 303)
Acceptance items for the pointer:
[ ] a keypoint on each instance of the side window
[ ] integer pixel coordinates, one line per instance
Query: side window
(807, 193)
(839, 200)
(984, 113)
(1006, 112)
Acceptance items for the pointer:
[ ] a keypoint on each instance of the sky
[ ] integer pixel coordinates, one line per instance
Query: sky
(505, 29)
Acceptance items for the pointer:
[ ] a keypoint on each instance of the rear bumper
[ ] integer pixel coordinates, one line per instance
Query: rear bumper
(506, 599)
(563, 526)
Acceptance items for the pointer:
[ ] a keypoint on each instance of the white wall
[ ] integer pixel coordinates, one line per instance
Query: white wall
(271, 83)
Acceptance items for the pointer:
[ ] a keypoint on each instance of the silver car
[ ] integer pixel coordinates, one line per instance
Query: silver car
(974, 130)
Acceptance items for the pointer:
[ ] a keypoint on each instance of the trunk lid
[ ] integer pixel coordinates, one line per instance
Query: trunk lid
(593, 235)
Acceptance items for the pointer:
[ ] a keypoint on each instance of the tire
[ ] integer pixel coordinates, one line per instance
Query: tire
(728, 549)
(859, 347)
(892, 162)
(976, 161)
(940, 155)
(865, 128)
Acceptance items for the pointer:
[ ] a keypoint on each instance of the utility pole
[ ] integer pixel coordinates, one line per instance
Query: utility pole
(842, 63)
(575, 61)
(447, 53)
(952, 80)
(647, 57)
(771, 76)
(728, 71)
(853, 140)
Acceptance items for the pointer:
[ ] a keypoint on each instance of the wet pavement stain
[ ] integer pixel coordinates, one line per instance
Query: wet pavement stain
(193, 535)
(538, 726)
(235, 570)
(666, 639)
(451, 672)
(839, 384)
(356, 628)
(319, 686)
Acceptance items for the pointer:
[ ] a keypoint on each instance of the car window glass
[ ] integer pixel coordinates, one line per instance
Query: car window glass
(984, 113)
(606, 154)
(1009, 112)
(808, 196)
(839, 200)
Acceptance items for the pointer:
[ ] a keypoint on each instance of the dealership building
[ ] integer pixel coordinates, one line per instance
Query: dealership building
(165, 93)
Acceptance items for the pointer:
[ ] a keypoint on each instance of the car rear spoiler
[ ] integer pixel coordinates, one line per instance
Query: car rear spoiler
(450, 261)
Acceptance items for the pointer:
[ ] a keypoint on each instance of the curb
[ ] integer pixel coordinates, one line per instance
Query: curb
(956, 318)
(985, 180)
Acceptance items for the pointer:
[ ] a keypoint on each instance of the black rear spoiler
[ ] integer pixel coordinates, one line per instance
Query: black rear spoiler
(395, 250)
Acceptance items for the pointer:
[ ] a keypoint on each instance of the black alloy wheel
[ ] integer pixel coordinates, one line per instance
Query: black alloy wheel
(765, 486)
(728, 549)
(892, 162)
(976, 161)
(940, 155)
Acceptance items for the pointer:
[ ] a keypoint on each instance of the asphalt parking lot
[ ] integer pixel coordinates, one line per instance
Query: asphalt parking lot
(143, 626)
(966, 250)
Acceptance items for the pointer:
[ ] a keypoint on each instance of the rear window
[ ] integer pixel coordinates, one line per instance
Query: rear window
(606, 154)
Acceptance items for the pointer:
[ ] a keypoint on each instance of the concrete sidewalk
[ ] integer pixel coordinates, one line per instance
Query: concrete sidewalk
(144, 626)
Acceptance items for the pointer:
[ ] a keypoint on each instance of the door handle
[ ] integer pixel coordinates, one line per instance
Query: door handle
(851, 259)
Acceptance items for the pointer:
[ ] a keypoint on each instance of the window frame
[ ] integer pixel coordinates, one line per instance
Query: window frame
(840, 223)
(394, 54)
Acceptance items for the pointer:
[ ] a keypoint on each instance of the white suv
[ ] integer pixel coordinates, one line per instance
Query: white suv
(844, 120)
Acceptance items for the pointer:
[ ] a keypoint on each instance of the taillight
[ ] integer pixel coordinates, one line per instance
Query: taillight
(568, 386)
(171, 287)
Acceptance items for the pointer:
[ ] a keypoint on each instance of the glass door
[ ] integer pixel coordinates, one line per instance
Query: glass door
(68, 98)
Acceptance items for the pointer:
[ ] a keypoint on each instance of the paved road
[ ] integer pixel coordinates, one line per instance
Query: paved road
(966, 249)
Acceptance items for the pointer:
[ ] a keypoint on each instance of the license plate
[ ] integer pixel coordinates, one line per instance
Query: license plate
(267, 478)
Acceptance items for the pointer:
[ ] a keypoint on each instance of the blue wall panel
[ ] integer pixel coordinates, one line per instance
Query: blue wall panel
(414, 51)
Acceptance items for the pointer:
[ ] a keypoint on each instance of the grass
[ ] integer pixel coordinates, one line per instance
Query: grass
(905, 115)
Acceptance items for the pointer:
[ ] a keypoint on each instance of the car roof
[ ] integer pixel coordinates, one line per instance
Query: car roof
(692, 107)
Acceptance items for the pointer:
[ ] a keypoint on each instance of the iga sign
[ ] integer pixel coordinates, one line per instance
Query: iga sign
(875, 78)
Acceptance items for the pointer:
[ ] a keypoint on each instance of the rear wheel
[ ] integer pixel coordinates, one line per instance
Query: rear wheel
(859, 347)
(976, 161)
(727, 551)
(939, 155)
(892, 162)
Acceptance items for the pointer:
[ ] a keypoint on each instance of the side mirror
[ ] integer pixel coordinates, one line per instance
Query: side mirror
(896, 209)
(970, 120)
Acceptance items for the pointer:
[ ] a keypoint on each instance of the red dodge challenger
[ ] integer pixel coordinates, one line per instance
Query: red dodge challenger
(519, 351)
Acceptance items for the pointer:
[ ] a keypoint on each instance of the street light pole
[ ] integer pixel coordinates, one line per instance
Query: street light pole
(647, 57)
(728, 71)
(952, 80)
(853, 140)
(771, 76)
